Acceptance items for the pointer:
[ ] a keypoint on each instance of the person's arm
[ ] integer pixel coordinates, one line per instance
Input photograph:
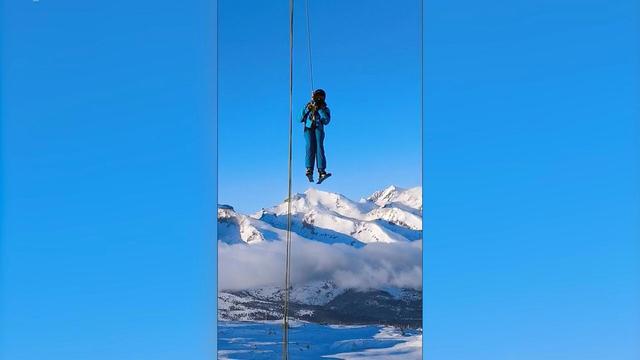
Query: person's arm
(325, 115)
(304, 114)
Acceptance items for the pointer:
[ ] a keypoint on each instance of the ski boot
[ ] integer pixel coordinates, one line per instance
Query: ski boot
(322, 176)
(309, 174)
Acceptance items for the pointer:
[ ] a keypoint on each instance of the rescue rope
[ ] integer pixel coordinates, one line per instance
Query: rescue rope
(287, 280)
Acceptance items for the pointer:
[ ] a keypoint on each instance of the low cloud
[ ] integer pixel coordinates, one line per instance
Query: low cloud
(375, 265)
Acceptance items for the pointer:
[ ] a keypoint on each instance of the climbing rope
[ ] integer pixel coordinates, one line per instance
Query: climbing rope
(287, 278)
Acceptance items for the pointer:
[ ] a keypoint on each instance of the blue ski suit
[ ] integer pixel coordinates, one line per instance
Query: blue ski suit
(314, 136)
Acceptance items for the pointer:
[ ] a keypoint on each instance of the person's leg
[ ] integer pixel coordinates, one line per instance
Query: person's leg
(322, 160)
(310, 142)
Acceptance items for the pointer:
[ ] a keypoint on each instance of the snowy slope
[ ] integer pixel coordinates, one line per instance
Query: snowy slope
(408, 348)
(387, 216)
(234, 228)
(312, 293)
(410, 199)
(312, 303)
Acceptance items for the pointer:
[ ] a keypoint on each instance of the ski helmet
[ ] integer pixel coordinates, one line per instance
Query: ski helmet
(319, 92)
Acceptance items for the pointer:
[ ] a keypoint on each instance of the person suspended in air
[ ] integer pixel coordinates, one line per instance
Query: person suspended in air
(315, 116)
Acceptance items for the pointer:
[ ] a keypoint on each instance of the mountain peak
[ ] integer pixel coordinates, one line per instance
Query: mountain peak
(391, 188)
(313, 191)
(411, 198)
(235, 228)
(383, 194)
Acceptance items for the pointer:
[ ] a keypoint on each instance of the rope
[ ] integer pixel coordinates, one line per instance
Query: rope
(287, 280)
(309, 44)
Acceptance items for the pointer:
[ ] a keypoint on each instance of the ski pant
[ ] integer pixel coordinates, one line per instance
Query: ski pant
(314, 139)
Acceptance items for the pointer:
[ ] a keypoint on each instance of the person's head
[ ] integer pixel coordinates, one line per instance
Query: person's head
(319, 95)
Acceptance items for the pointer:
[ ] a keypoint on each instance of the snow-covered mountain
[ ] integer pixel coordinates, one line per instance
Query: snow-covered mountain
(324, 304)
(390, 216)
(409, 199)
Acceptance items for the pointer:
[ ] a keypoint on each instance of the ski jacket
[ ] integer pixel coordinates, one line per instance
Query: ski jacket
(322, 117)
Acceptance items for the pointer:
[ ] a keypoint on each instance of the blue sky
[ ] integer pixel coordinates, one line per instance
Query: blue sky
(531, 180)
(530, 166)
(365, 55)
(108, 187)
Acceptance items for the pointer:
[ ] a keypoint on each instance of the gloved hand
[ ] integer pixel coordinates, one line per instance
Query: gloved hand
(312, 107)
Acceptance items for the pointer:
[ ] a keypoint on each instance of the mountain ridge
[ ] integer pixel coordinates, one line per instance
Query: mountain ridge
(389, 215)
(385, 218)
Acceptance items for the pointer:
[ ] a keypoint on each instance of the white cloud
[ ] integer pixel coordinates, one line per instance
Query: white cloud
(375, 265)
